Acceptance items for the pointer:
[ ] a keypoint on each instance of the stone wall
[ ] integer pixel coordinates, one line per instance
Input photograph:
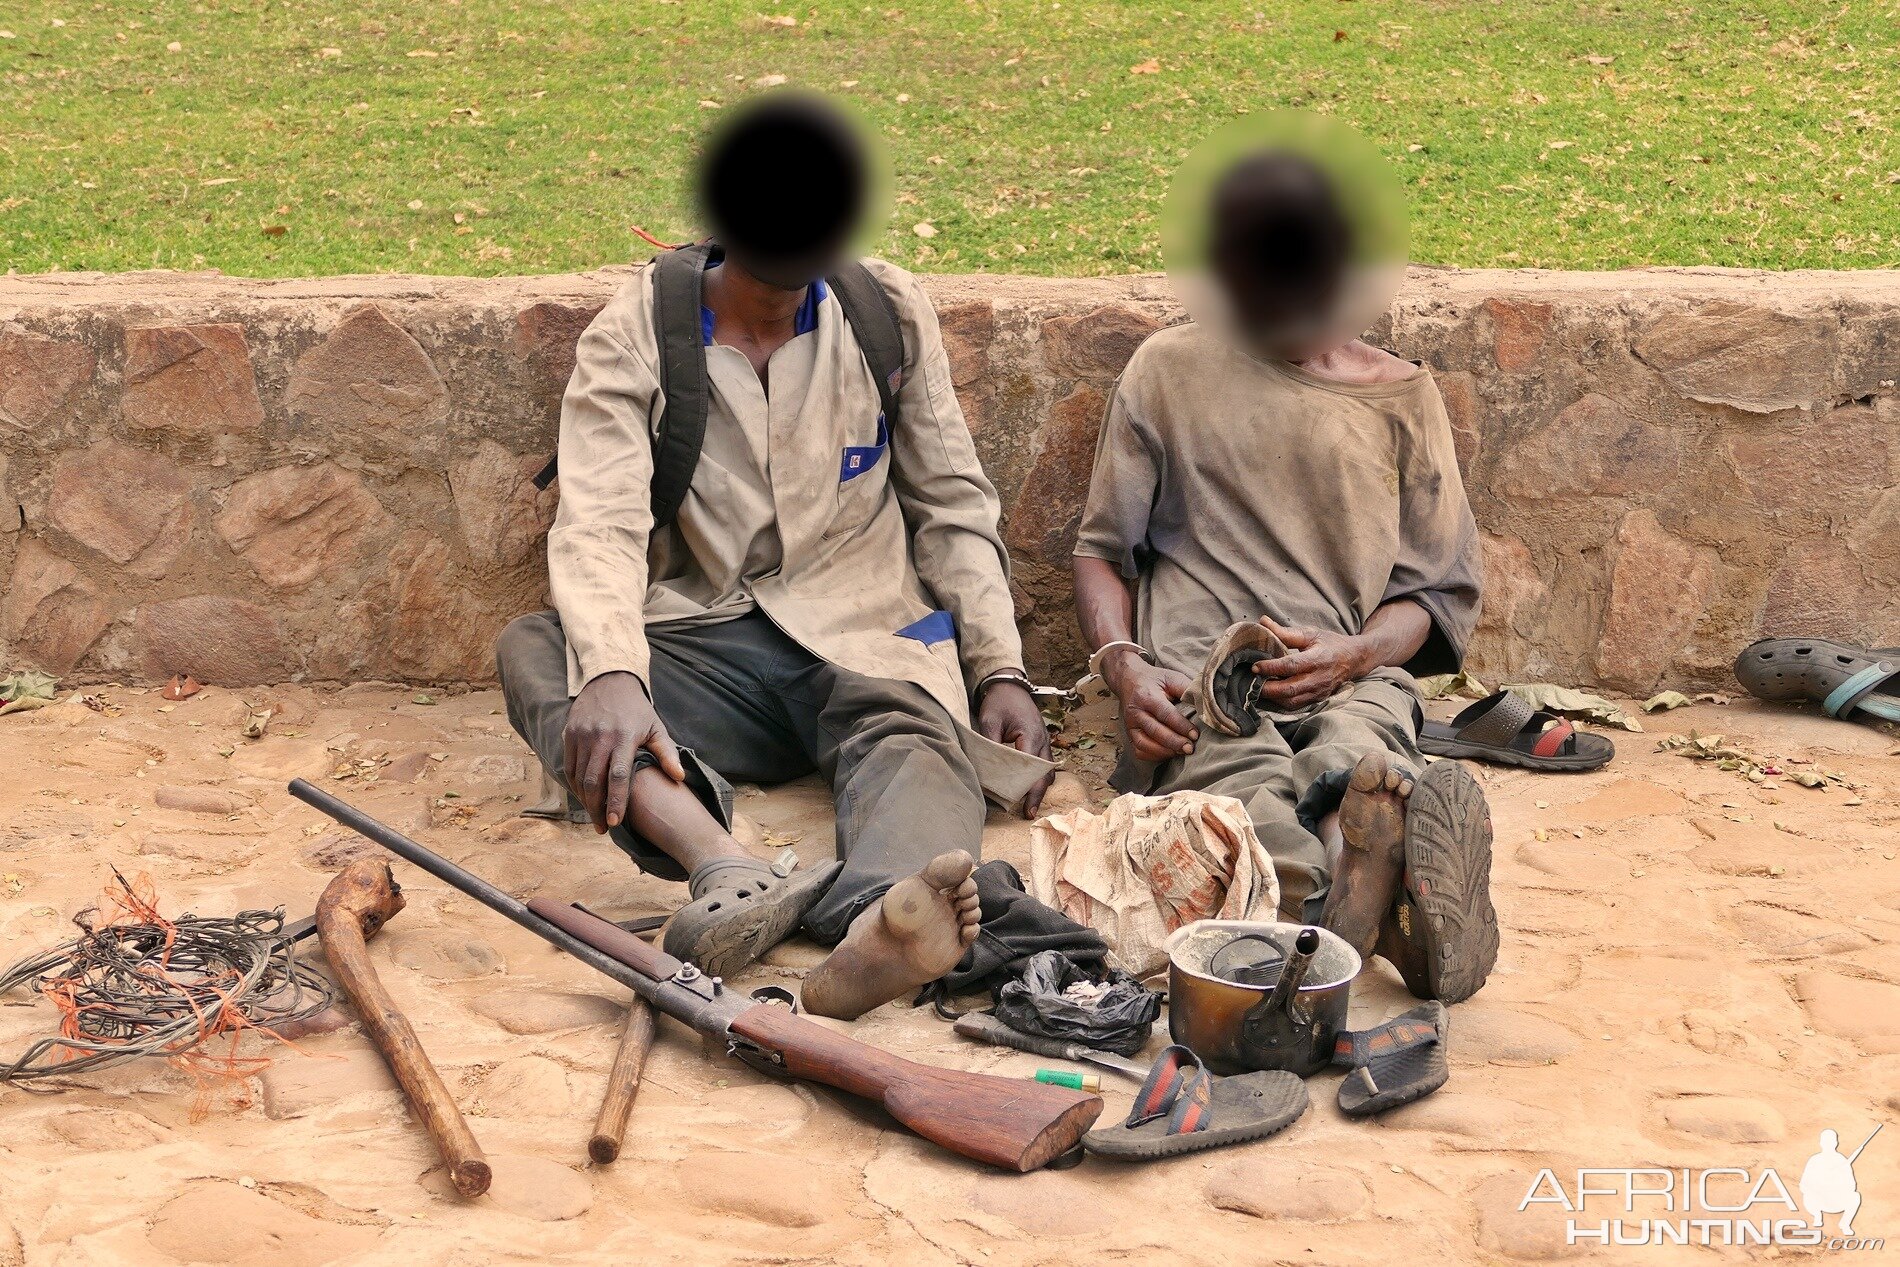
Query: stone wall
(328, 479)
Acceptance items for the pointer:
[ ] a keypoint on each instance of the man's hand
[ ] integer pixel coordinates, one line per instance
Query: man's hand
(1318, 664)
(609, 722)
(1008, 715)
(1156, 728)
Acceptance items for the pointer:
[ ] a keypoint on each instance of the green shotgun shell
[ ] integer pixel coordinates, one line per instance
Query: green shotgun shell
(1073, 1081)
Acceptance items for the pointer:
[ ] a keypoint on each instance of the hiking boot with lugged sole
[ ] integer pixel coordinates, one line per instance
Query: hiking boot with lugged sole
(1442, 932)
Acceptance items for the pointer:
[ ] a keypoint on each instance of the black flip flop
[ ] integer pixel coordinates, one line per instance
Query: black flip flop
(1502, 729)
(1182, 1108)
(1442, 934)
(1842, 678)
(1395, 1063)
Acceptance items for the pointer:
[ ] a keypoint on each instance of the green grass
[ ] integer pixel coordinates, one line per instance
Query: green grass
(283, 137)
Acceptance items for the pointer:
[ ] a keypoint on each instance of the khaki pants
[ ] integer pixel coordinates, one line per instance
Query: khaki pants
(752, 706)
(1291, 772)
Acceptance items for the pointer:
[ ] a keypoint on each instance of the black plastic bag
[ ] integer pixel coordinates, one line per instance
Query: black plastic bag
(1034, 1003)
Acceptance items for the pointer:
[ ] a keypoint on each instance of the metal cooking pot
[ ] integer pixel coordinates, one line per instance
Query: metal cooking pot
(1223, 1005)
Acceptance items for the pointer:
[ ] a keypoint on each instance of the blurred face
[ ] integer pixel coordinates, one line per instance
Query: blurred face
(1278, 250)
(1284, 233)
(785, 184)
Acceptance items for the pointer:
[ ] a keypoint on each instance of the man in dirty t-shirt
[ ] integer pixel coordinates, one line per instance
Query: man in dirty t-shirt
(1279, 514)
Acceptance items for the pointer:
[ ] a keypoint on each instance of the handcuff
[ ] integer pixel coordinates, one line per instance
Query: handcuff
(1095, 661)
(1003, 675)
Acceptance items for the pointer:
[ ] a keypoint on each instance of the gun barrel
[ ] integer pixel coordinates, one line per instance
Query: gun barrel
(674, 1000)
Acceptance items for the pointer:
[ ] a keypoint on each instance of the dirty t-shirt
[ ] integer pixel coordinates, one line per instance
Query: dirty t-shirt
(1230, 487)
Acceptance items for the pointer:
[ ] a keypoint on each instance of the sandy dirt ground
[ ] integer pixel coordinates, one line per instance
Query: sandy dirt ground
(1697, 971)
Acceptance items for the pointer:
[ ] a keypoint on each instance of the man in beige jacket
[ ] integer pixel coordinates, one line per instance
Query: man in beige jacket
(831, 593)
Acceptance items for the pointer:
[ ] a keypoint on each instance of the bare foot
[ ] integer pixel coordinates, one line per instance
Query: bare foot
(914, 935)
(1366, 877)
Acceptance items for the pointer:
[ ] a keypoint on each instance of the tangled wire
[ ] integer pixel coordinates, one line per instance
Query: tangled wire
(137, 984)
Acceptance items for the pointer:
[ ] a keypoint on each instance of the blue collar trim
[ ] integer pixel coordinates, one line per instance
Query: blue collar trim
(803, 322)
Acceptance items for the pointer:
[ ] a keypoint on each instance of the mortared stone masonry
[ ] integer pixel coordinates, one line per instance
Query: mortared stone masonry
(330, 479)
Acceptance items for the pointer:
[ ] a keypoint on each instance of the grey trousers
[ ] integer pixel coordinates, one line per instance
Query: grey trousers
(1290, 773)
(753, 706)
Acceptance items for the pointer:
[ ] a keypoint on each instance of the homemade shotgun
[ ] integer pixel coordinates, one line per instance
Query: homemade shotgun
(1007, 1122)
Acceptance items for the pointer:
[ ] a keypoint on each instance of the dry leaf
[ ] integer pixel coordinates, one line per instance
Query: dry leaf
(924, 229)
(1665, 700)
(768, 81)
(1439, 685)
(254, 728)
(182, 686)
(779, 19)
(1573, 703)
(1149, 67)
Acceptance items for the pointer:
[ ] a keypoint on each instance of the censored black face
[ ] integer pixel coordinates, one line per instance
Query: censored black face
(1280, 244)
(784, 184)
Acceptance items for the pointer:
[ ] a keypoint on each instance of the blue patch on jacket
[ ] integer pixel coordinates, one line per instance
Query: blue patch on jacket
(859, 458)
(932, 629)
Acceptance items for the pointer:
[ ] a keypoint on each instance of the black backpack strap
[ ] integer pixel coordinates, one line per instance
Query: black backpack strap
(678, 294)
(873, 320)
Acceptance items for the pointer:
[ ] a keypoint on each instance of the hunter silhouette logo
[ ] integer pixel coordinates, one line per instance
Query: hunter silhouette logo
(1718, 1205)
(1827, 1182)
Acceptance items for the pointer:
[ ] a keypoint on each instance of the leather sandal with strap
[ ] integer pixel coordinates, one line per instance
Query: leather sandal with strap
(1395, 1063)
(1502, 729)
(1182, 1108)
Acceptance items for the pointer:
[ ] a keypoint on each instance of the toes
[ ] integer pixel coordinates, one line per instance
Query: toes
(1405, 787)
(949, 870)
(1370, 773)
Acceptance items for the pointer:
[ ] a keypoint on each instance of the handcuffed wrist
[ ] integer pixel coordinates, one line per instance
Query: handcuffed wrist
(1003, 675)
(1111, 650)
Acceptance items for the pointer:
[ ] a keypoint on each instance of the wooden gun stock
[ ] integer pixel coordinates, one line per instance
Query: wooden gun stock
(1015, 1124)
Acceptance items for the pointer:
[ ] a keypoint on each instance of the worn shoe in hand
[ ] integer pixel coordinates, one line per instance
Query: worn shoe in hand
(1227, 692)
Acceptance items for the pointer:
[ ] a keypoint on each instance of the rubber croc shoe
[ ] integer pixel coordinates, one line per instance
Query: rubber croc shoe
(1442, 933)
(1228, 690)
(1842, 678)
(1182, 1108)
(1395, 1063)
(741, 908)
(1502, 729)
